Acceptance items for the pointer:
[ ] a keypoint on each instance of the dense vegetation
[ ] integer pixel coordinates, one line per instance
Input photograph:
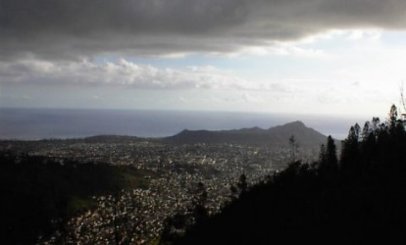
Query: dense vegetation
(39, 194)
(356, 199)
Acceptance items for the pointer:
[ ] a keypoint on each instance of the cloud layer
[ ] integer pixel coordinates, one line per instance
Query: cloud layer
(69, 29)
(122, 73)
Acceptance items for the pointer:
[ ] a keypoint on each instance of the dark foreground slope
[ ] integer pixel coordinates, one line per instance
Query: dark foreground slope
(275, 136)
(359, 199)
(39, 194)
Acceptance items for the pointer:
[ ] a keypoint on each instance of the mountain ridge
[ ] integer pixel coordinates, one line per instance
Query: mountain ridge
(278, 135)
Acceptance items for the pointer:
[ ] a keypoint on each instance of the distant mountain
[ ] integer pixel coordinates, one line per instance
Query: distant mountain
(276, 136)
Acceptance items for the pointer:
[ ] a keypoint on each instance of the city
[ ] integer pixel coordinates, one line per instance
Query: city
(174, 170)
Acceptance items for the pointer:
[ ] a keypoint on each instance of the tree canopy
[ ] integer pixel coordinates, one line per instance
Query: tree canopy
(358, 198)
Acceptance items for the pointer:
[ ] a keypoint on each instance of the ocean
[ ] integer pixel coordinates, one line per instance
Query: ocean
(34, 124)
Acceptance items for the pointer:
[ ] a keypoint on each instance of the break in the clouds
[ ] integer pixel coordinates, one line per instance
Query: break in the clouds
(76, 28)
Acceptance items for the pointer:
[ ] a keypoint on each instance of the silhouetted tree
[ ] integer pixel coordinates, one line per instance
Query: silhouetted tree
(350, 151)
(393, 116)
(331, 152)
(365, 131)
(242, 183)
(328, 165)
(199, 211)
(293, 148)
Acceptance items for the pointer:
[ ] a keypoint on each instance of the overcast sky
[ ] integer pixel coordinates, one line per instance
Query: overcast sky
(293, 56)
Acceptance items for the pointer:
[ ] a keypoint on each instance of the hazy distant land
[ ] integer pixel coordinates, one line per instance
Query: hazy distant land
(34, 124)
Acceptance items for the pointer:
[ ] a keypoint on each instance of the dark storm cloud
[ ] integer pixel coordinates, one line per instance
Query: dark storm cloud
(60, 29)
